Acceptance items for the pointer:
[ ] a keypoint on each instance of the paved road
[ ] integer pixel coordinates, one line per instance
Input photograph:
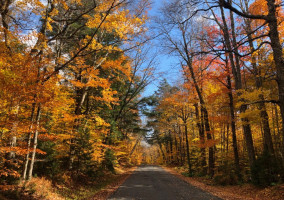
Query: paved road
(154, 183)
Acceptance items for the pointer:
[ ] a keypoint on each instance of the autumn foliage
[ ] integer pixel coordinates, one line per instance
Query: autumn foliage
(72, 73)
(64, 74)
(223, 118)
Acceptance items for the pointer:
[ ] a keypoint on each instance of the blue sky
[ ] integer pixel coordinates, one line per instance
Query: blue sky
(168, 65)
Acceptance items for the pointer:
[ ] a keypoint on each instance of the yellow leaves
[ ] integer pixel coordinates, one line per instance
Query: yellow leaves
(54, 12)
(100, 122)
(64, 5)
(63, 137)
(120, 22)
(251, 97)
(95, 45)
(48, 26)
(108, 96)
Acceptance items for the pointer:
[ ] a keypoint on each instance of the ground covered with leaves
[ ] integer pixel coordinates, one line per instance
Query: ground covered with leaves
(232, 192)
(83, 188)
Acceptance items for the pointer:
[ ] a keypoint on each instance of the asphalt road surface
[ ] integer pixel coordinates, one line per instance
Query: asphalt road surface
(154, 183)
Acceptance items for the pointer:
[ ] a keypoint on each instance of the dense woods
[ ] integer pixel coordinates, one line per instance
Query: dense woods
(72, 73)
(223, 119)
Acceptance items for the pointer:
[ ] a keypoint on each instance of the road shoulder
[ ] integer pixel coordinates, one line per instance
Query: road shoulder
(247, 192)
(111, 188)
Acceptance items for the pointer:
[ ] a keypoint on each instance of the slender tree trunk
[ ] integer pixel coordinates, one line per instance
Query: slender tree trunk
(188, 60)
(81, 93)
(201, 136)
(177, 150)
(35, 142)
(29, 142)
(13, 139)
(238, 82)
(161, 148)
(171, 148)
(135, 145)
(233, 127)
(187, 149)
(209, 138)
(180, 146)
(227, 139)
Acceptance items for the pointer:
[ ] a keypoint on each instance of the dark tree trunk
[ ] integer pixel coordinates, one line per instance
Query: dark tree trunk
(278, 57)
(268, 144)
(233, 127)
(171, 147)
(201, 137)
(187, 149)
(238, 82)
(271, 19)
(209, 138)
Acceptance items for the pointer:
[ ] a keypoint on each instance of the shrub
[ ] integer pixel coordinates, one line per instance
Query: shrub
(225, 179)
(40, 188)
(265, 170)
(109, 160)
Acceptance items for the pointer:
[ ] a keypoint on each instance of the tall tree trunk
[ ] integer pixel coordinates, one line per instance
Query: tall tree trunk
(201, 137)
(238, 82)
(209, 138)
(35, 142)
(227, 140)
(277, 56)
(171, 147)
(187, 149)
(161, 148)
(233, 127)
(81, 94)
(180, 146)
(271, 19)
(177, 150)
(268, 144)
(204, 114)
(135, 145)
(13, 137)
(29, 142)
(205, 117)
(188, 59)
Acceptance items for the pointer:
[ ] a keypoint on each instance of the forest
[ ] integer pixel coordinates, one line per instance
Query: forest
(73, 109)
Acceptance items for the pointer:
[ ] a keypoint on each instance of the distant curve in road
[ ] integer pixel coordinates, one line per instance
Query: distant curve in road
(154, 183)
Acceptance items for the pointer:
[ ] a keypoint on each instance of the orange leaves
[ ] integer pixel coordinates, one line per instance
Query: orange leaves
(206, 144)
(121, 65)
(18, 150)
(259, 7)
(47, 137)
(9, 172)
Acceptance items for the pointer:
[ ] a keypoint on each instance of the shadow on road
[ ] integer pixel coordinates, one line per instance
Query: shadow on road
(154, 183)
